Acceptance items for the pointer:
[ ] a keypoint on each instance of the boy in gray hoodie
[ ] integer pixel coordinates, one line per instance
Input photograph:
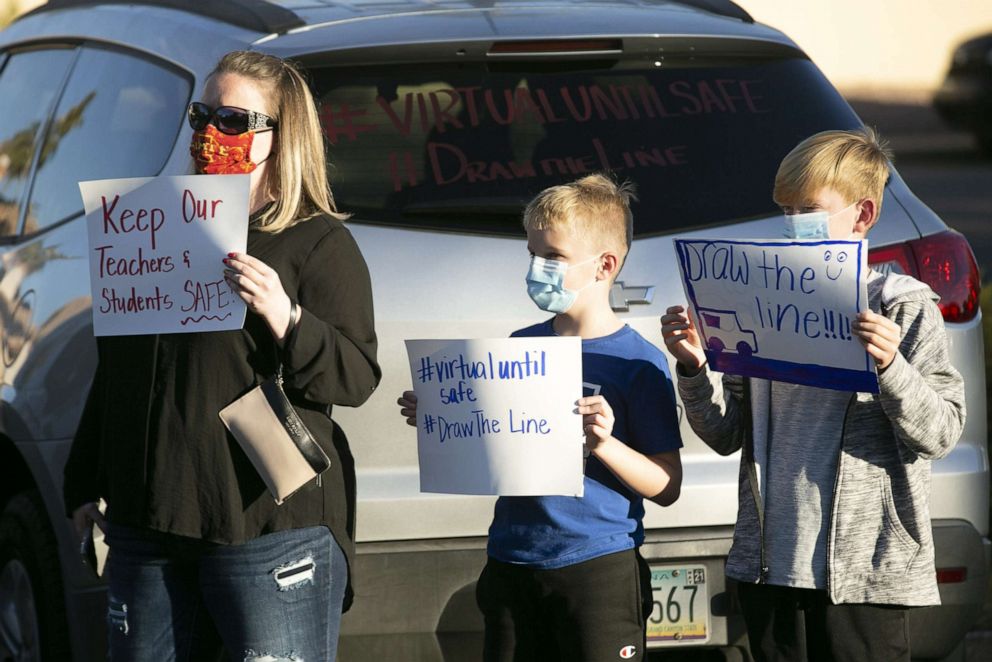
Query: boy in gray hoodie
(833, 542)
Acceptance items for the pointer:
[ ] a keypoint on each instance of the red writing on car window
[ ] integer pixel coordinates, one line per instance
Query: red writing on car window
(458, 108)
(449, 164)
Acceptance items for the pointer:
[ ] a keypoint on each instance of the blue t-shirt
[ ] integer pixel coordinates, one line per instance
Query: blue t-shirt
(557, 531)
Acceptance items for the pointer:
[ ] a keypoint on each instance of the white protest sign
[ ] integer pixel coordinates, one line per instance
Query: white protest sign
(498, 416)
(156, 251)
(781, 309)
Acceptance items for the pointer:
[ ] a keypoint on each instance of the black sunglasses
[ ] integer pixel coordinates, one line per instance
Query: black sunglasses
(228, 119)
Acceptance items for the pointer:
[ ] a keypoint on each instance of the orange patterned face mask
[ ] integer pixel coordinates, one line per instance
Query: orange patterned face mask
(219, 153)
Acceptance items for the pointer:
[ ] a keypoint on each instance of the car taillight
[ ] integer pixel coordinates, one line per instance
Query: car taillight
(951, 575)
(945, 262)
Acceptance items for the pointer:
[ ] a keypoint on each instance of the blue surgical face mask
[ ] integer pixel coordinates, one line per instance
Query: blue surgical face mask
(812, 225)
(546, 284)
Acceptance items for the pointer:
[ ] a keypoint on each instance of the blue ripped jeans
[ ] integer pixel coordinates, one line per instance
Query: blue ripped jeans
(273, 599)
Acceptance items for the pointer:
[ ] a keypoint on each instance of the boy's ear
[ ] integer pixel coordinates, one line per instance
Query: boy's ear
(867, 216)
(610, 265)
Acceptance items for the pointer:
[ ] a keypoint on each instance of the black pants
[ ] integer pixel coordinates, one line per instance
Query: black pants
(802, 625)
(587, 612)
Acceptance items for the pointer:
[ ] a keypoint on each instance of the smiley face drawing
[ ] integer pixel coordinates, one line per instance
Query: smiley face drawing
(840, 257)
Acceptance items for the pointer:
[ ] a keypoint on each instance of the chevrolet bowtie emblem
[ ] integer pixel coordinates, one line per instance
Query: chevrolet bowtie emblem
(622, 296)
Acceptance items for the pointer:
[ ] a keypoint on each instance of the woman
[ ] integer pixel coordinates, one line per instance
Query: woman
(197, 544)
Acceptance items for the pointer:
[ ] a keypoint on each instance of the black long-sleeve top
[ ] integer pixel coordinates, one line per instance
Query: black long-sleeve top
(151, 443)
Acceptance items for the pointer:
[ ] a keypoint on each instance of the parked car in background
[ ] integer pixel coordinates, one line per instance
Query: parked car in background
(964, 99)
(444, 117)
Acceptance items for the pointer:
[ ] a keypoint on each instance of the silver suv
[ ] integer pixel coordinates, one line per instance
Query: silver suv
(444, 116)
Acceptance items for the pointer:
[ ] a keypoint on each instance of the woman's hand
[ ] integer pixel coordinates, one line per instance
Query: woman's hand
(259, 287)
(84, 516)
(408, 407)
(682, 340)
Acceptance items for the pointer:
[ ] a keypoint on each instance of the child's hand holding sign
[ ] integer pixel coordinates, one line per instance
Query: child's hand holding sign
(879, 335)
(679, 331)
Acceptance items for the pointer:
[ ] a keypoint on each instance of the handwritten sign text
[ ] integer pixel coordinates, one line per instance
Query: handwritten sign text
(781, 309)
(498, 416)
(156, 246)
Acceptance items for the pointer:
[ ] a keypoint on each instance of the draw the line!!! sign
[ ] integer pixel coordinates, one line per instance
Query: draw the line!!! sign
(781, 309)
(156, 245)
(499, 416)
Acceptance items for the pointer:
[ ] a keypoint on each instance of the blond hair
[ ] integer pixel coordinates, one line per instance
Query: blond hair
(594, 208)
(298, 176)
(854, 163)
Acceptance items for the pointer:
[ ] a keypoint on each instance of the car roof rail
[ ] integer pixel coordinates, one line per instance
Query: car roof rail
(268, 17)
(258, 15)
(720, 7)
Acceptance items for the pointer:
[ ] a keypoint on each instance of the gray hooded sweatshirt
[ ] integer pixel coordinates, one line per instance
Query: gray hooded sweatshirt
(879, 546)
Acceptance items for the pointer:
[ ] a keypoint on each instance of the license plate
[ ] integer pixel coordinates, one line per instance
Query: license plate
(681, 613)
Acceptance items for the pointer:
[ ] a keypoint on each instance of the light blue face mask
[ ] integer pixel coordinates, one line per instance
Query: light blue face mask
(812, 225)
(546, 284)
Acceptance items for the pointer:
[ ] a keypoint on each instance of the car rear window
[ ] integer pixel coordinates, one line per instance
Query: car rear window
(464, 147)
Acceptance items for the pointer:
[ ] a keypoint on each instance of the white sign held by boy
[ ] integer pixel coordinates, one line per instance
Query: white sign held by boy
(156, 251)
(498, 416)
(781, 309)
